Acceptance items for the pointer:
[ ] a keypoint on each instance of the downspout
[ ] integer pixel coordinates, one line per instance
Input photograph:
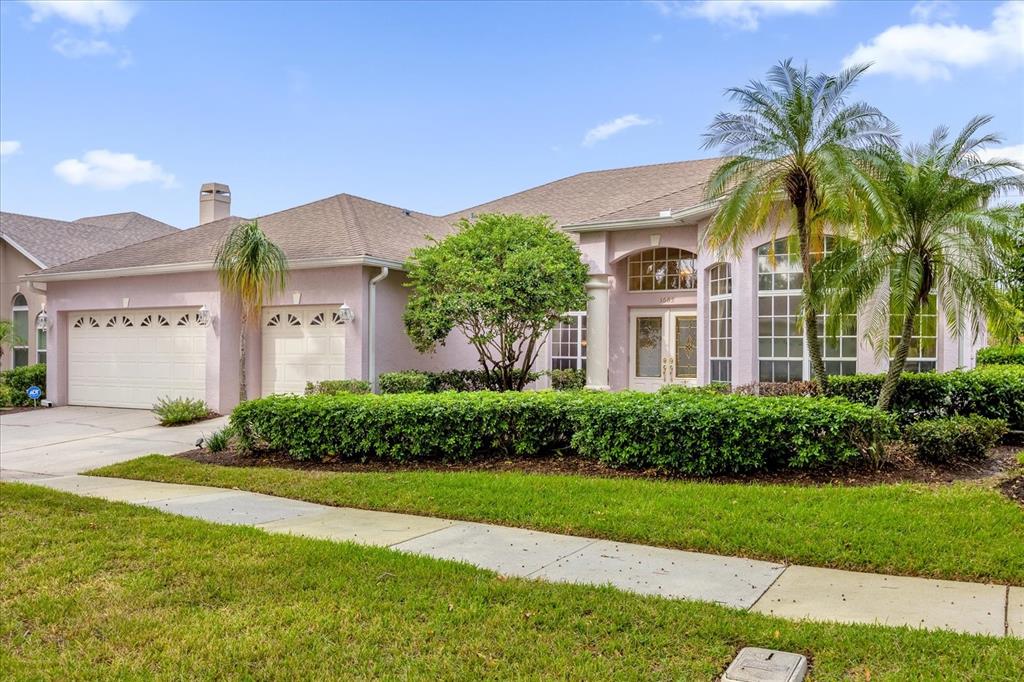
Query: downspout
(372, 326)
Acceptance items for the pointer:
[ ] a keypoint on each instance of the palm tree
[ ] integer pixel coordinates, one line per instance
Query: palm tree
(253, 268)
(8, 336)
(940, 239)
(794, 151)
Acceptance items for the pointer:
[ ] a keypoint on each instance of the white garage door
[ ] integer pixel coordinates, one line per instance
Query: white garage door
(132, 358)
(300, 345)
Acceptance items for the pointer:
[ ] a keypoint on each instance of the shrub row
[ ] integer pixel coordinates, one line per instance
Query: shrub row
(944, 440)
(19, 379)
(336, 386)
(415, 381)
(683, 432)
(994, 391)
(568, 379)
(1002, 355)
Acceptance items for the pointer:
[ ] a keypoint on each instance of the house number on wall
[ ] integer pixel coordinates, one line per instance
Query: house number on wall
(667, 299)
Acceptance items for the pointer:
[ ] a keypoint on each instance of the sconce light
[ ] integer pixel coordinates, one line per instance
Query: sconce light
(42, 320)
(345, 314)
(203, 316)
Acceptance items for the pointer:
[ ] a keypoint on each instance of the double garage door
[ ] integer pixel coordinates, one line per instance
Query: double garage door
(133, 358)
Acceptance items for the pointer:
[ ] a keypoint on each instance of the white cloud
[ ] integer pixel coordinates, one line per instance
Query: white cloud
(1014, 152)
(99, 15)
(933, 50)
(741, 14)
(9, 147)
(104, 169)
(927, 10)
(606, 130)
(71, 47)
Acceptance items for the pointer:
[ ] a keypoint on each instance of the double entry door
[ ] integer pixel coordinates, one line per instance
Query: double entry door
(663, 348)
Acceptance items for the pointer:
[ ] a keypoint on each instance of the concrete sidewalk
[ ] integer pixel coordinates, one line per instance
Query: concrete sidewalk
(797, 592)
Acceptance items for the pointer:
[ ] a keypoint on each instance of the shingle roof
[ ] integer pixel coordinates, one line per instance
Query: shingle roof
(349, 226)
(53, 242)
(130, 222)
(336, 227)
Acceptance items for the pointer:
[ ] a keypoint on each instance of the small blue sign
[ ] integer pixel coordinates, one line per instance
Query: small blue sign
(34, 392)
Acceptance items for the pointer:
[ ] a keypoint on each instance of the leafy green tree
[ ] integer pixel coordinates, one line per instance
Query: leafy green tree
(794, 155)
(940, 238)
(253, 268)
(504, 281)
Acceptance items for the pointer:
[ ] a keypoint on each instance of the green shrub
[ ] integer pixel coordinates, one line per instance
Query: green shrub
(1001, 355)
(995, 391)
(948, 439)
(776, 389)
(6, 395)
(568, 379)
(707, 389)
(688, 433)
(176, 411)
(336, 386)
(20, 378)
(706, 434)
(462, 380)
(219, 440)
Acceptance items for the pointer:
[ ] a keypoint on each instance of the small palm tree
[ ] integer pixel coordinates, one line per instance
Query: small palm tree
(253, 268)
(795, 151)
(940, 239)
(8, 336)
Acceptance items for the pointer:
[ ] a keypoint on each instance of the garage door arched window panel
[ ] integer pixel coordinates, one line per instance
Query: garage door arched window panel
(299, 345)
(720, 323)
(922, 354)
(19, 318)
(662, 269)
(41, 330)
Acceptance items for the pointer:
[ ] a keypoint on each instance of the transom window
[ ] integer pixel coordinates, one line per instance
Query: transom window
(923, 351)
(19, 317)
(720, 323)
(569, 342)
(780, 341)
(662, 269)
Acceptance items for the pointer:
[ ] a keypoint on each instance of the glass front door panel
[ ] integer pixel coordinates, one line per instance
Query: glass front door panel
(686, 348)
(648, 346)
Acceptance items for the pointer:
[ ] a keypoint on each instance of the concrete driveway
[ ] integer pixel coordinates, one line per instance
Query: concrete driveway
(69, 440)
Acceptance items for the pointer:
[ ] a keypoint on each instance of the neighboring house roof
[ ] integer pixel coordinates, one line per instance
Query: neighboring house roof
(332, 229)
(129, 222)
(347, 229)
(49, 242)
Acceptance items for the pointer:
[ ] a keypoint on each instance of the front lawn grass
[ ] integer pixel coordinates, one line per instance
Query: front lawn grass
(960, 531)
(97, 590)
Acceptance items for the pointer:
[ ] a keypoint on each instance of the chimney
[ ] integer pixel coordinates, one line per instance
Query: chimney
(214, 202)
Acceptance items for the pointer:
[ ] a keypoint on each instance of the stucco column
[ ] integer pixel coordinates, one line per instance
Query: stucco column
(597, 332)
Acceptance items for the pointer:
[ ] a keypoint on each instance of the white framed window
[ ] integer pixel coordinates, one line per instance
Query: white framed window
(780, 340)
(662, 269)
(720, 323)
(40, 342)
(19, 318)
(569, 342)
(922, 355)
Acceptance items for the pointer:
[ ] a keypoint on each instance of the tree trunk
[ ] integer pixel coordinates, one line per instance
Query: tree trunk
(896, 364)
(243, 393)
(811, 338)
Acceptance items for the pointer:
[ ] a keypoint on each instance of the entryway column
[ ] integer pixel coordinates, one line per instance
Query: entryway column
(597, 332)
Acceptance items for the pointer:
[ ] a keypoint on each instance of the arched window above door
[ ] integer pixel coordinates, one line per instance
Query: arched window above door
(662, 269)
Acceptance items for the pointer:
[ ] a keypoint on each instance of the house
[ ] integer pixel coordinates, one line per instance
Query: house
(148, 319)
(28, 243)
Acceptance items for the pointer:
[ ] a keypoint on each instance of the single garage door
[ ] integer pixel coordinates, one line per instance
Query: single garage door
(132, 358)
(300, 345)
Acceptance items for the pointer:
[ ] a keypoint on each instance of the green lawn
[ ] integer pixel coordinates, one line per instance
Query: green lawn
(98, 590)
(958, 532)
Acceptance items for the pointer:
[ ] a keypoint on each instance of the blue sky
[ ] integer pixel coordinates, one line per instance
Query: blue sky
(119, 106)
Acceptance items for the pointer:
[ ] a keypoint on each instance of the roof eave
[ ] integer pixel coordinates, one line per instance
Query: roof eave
(201, 266)
(673, 218)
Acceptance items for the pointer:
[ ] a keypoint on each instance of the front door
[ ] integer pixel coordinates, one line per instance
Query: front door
(663, 348)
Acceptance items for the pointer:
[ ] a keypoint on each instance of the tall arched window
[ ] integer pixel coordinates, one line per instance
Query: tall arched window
(19, 317)
(662, 269)
(720, 323)
(780, 340)
(40, 341)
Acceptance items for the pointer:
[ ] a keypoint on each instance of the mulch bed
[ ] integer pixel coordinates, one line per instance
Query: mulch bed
(1014, 489)
(906, 470)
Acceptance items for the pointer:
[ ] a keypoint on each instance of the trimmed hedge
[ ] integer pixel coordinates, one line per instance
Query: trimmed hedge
(335, 386)
(1002, 355)
(415, 381)
(994, 391)
(568, 379)
(687, 433)
(944, 440)
(20, 378)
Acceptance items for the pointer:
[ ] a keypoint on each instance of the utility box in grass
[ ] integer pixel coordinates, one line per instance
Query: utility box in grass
(765, 665)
